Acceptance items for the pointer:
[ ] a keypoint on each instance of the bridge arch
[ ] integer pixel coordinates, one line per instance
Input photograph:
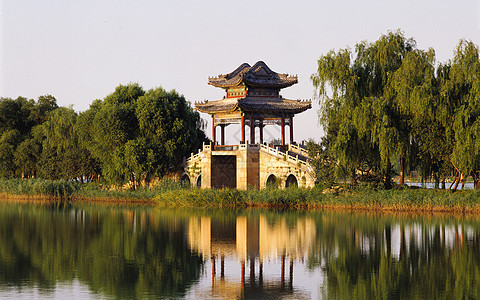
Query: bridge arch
(291, 181)
(272, 181)
(199, 181)
(185, 179)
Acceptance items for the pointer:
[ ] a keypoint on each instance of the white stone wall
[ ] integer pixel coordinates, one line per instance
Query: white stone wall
(255, 163)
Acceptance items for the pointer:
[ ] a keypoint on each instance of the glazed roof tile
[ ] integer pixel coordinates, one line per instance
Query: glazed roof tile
(224, 105)
(260, 75)
(254, 104)
(273, 105)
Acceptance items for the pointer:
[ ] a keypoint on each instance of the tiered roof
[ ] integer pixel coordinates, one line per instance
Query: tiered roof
(254, 104)
(258, 76)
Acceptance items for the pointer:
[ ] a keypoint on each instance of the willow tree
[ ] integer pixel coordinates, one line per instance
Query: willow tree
(62, 155)
(336, 76)
(359, 111)
(462, 91)
(415, 92)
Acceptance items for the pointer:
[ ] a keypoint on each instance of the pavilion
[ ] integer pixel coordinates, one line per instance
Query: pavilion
(252, 99)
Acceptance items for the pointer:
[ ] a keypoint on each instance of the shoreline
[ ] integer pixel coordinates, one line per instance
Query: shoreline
(394, 201)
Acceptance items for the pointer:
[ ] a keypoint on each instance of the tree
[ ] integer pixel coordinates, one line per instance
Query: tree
(21, 116)
(63, 157)
(137, 136)
(9, 141)
(113, 124)
(27, 156)
(464, 87)
(15, 114)
(170, 128)
(413, 87)
(359, 114)
(322, 163)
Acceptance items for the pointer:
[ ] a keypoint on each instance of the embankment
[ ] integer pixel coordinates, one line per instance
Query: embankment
(171, 194)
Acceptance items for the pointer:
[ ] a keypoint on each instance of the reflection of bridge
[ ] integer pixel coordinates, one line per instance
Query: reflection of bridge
(249, 239)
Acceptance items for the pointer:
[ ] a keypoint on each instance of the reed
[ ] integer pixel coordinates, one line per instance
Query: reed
(173, 194)
(352, 199)
(51, 189)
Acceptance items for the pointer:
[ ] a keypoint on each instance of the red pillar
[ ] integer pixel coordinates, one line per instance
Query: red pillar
(213, 271)
(283, 131)
(252, 130)
(242, 280)
(222, 134)
(291, 130)
(261, 131)
(213, 129)
(243, 130)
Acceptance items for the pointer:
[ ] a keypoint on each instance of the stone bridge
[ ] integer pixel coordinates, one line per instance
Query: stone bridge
(249, 166)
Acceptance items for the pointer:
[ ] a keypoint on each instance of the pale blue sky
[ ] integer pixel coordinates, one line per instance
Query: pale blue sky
(79, 51)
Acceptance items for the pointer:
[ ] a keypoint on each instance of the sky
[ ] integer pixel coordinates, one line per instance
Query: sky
(79, 51)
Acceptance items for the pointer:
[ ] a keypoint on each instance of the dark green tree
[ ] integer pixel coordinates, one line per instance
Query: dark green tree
(9, 141)
(171, 129)
(105, 128)
(137, 136)
(21, 116)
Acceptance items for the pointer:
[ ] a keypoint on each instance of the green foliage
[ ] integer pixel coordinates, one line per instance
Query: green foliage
(131, 136)
(168, 193)
(383, 103)
(322, 163)
(465, 86)
(27, 155)
(170, 127)
(63, 156)
(19, 150)
(16, 114)
(51, 189)
(9, 141)
(138, 136)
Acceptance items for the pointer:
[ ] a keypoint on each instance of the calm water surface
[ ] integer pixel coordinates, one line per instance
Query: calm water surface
(88, 251)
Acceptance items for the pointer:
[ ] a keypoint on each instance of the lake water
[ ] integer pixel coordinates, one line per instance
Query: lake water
(103, 252)
(431, 185)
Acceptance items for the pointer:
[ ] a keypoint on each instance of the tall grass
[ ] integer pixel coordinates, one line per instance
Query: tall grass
(98, 191)
(55, 189)
(363, 199)
(169, 193)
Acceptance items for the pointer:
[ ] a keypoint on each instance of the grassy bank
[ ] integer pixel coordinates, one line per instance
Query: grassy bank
(467, 201)
(167, 193)
(61, 190)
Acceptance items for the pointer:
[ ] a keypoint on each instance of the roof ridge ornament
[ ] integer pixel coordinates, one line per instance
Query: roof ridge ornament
(259, 75)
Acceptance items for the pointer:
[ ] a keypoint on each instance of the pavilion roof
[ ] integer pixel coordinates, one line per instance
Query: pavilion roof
(271, 105)
(260, 75)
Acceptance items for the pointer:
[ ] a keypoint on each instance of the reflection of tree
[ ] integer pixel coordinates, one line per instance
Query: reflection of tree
(120, 252)
(427, 265)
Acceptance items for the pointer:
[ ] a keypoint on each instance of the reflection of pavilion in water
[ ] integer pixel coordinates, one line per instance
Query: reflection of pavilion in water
(249, 239)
